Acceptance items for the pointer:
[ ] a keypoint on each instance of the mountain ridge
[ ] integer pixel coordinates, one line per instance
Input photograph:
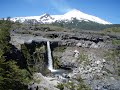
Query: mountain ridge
(69, 16)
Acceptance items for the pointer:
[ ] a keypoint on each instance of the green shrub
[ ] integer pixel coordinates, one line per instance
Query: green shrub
(83, 58)
(60, 86)
(56, 62)
(115, 42)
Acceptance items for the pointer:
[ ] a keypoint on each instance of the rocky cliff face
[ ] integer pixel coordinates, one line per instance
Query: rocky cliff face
(92, 66)
(90, 55)
(81, 39)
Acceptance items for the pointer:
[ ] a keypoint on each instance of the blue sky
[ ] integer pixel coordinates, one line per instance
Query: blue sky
(105, 9)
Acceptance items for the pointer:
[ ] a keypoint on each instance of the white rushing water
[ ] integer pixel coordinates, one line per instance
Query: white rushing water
(50, 62)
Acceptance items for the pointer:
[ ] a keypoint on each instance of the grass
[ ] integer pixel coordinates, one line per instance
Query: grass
(113, 55)
(83, 58)
(112, 30)
(73, 86)
(115, 42)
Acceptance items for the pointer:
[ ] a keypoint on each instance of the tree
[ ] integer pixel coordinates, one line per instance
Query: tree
(11, 76)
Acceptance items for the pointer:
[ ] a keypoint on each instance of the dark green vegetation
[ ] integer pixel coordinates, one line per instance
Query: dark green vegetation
(84, 25)
(14, 73)
(36, 57)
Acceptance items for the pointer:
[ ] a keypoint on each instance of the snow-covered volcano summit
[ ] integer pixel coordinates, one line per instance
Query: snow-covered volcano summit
(46, 18)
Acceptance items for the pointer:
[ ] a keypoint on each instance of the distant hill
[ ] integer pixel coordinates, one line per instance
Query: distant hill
(84, 25)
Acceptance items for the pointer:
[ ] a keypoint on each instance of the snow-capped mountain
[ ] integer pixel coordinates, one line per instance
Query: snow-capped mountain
(69, 16)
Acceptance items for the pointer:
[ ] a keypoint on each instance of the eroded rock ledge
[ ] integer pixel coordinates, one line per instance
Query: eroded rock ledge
(81, 39)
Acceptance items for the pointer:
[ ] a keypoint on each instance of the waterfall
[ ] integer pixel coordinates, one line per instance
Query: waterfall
(50, 62)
